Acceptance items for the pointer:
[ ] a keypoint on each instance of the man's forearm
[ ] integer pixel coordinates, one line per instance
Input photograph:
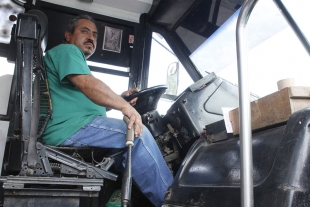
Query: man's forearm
(98, 92)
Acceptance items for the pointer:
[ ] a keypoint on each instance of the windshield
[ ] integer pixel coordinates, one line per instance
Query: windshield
(299, 9)
(275, 52)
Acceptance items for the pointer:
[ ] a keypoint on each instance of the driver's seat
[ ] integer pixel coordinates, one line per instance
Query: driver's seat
(41, 174)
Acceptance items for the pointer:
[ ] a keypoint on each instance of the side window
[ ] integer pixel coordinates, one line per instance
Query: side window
(166, 69)
(6, 67)
(118, 84)
(7, 8)
(6, 72)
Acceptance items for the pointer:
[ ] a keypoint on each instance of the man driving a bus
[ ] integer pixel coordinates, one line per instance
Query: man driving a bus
(79, 114)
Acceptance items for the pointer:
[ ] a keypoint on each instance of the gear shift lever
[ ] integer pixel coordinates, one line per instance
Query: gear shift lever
(127, 180)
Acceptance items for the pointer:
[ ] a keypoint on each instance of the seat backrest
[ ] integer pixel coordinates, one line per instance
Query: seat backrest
(36, 89)
(29, 86)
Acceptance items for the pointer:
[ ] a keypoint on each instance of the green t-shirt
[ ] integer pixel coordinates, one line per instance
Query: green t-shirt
(71, 108)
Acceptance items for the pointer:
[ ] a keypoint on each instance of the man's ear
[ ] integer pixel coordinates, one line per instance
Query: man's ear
(67, 36)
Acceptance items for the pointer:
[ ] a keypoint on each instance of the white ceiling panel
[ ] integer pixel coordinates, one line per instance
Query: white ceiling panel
(129, 10)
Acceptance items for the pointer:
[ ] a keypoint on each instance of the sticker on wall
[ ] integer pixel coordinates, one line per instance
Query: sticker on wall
(112, 39)
(131, 39)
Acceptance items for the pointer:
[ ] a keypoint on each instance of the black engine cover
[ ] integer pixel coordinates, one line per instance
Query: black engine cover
(210, 173)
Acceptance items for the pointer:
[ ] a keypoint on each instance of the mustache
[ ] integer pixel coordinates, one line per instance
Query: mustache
(90, 41)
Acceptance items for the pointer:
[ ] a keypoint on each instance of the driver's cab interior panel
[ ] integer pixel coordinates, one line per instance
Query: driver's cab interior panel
(115, 42)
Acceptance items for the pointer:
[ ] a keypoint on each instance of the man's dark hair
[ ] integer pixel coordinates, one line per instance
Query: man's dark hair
(73, 23)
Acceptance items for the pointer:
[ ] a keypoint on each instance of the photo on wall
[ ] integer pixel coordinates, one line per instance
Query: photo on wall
(112, 39)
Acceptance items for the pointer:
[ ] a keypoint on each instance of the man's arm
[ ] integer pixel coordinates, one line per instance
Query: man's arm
(101, 94)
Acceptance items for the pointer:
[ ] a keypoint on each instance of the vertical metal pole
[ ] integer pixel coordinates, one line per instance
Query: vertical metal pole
(244, 107)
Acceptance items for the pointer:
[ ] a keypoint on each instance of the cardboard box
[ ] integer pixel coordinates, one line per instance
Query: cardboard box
(275, 108)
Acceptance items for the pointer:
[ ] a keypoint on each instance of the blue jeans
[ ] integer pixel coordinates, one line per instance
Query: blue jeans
(149, 170)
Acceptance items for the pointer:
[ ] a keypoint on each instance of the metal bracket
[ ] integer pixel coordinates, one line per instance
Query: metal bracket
(80, 166)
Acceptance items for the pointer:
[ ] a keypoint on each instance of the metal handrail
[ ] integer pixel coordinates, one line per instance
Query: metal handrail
(244, 106)
(247, 199)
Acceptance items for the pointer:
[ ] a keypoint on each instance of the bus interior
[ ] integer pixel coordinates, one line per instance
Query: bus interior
(181, 55)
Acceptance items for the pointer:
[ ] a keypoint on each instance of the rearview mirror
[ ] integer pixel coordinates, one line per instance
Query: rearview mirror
(172, 80)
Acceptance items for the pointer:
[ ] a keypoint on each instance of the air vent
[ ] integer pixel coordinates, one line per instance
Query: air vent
(90, 1)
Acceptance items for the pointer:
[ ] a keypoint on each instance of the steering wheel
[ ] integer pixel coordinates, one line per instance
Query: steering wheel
(147, 98)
